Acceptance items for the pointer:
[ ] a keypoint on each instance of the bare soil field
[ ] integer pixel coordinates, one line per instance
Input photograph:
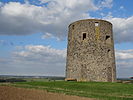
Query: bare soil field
(13, 93)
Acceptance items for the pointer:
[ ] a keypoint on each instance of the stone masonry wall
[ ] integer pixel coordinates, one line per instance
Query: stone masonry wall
(90, 52)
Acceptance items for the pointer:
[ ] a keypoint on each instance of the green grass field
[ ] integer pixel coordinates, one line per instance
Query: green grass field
(100, 90)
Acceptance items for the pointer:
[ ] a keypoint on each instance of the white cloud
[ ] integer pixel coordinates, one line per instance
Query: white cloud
(121, 7)
(49, 35)
(106, 3)
(124, 58)
(35, 60)
(124, 54)
(72, 4)
(124, 62)
(122, 27)
(45, 60)
(55, 16)
(40, 54)
(23, 19)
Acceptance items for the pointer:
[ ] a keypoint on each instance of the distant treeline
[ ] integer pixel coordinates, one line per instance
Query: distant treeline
(12, 80)
(56, 78)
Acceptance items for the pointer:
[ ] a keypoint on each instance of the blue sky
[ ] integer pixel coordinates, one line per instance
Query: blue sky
(33, 33)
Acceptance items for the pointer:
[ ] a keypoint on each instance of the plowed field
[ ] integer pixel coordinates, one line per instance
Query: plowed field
(13, 93)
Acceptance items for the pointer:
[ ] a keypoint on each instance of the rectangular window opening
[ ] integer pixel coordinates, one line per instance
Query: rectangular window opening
(96, 24)
(84, 36)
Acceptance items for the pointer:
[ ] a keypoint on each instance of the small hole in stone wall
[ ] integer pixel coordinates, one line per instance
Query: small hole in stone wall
(73, 27)
(96, 24)
(109, 53)
(84, 36)
(107, 37)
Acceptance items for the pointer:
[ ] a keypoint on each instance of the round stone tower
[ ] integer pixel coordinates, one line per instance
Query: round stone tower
(90, 51)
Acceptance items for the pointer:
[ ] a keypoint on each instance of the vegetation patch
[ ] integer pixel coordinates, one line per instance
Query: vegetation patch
(100, 90)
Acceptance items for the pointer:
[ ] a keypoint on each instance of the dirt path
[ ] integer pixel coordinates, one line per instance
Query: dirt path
(13, 93)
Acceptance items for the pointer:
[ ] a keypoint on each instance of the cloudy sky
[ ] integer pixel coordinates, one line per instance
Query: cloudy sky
(33, 33)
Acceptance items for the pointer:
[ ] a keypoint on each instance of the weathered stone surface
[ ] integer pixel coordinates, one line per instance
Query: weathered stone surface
(90, 52)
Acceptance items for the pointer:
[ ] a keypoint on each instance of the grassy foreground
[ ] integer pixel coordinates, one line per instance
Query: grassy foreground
(99, 90)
